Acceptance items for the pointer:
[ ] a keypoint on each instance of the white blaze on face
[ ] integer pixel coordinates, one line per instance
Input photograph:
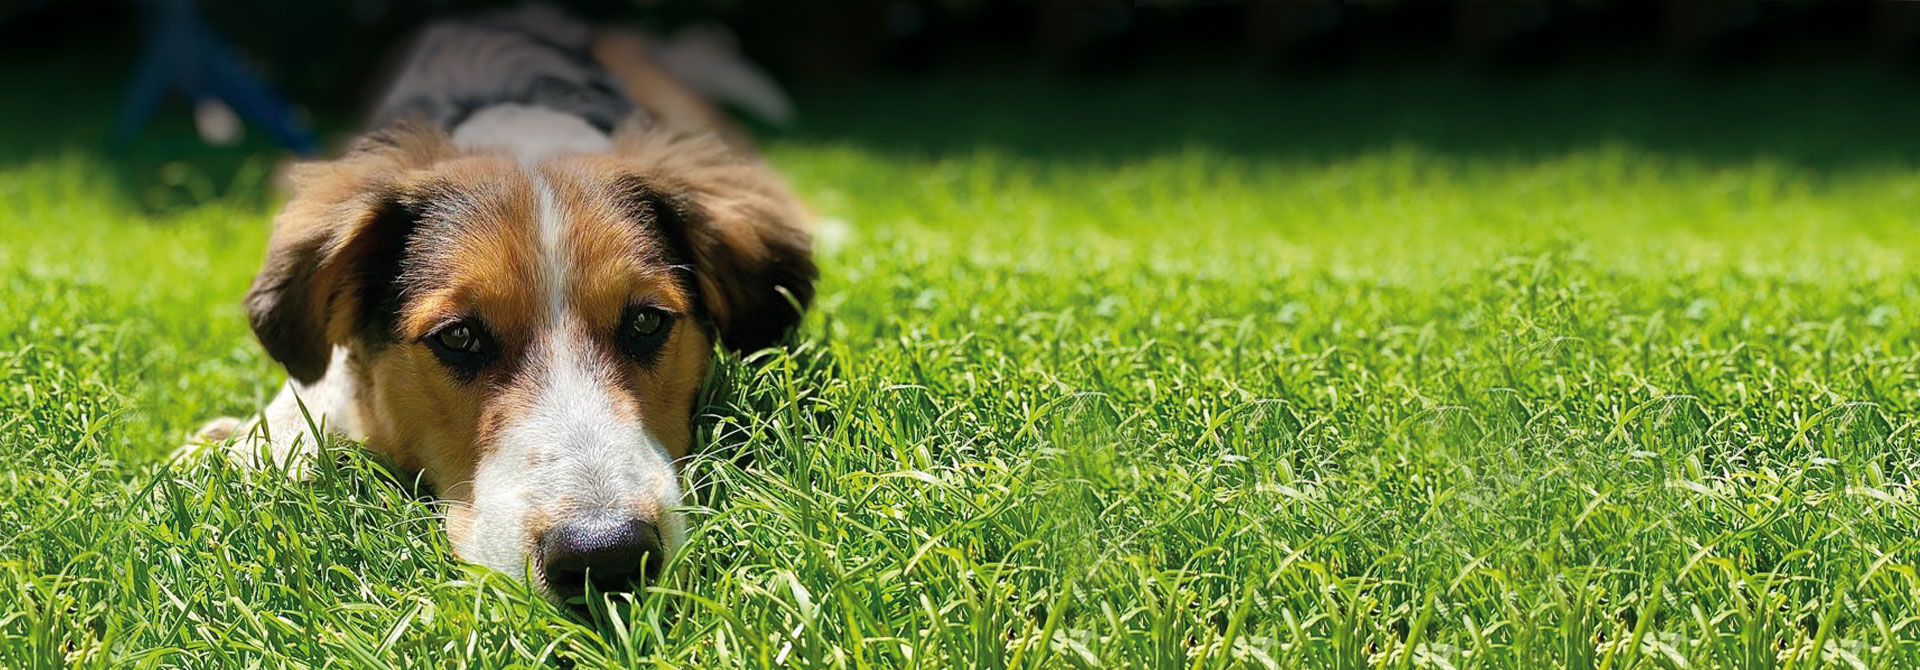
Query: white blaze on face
(570, 455)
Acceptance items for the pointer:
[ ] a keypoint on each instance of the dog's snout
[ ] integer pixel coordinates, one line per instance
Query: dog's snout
(613, 552)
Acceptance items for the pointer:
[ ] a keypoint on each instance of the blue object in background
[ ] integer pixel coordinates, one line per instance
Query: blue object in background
(183, 53)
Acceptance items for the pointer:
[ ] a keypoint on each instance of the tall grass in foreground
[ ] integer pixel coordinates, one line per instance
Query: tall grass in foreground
(1216, 399)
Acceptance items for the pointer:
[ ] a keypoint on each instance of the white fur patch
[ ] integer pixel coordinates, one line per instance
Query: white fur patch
(555, 271)
(289, 439)
(569, 456)
(572, 447)
(529, 133)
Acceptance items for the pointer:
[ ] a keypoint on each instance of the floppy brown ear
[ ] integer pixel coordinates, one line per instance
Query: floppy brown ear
(339, 235)
(739, 226)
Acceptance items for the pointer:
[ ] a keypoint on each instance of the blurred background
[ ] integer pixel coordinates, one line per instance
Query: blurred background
(312, 48)
(1111, 81)
(322, 55)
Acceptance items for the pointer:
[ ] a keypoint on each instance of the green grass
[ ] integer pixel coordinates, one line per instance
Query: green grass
(1422, 371)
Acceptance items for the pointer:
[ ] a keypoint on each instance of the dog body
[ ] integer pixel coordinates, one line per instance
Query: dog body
(514, 283)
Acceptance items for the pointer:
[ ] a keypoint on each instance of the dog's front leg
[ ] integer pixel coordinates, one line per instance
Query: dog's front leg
(282, 435)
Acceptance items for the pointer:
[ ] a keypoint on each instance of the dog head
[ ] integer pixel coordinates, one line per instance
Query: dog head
(530, 331)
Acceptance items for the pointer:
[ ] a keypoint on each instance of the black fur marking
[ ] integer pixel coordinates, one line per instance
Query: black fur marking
(378, 271)
(759, 313)
(282, 303)
(663, 217)
(277, 309)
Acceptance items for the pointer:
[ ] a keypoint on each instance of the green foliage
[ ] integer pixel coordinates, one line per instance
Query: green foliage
(1427, 396)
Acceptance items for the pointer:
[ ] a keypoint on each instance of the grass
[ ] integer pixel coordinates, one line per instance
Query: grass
(1608, 371)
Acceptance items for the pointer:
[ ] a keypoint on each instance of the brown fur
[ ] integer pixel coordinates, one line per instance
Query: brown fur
(672, 104)
(745, 233)
(677, 221)
(301, 299)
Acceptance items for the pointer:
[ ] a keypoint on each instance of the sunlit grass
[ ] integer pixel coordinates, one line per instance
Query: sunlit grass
(1613, 397)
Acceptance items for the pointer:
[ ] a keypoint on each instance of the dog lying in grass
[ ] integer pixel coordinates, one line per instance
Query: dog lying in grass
(513, 283)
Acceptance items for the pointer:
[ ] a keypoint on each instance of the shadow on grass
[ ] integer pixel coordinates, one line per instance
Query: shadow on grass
(1824, 119)
(1821, 119)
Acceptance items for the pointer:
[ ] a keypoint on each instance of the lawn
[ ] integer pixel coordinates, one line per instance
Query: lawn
(1423, 370)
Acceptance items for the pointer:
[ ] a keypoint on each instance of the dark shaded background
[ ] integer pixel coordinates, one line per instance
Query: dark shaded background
(1819, 84)
(322, 54)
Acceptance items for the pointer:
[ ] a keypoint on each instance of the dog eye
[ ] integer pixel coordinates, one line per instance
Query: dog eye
(458, 337)
(642, 329)
(463, 345)
(646, 322)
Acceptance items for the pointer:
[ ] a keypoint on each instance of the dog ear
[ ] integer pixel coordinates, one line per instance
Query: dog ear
(340, 233)
(734, 221)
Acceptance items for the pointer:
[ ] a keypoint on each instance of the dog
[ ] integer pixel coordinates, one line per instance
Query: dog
(513, 284)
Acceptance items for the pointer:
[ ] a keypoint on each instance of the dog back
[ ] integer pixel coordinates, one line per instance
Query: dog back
(534, 56)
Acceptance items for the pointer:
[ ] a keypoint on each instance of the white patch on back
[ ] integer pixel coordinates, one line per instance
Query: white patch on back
(529, 133)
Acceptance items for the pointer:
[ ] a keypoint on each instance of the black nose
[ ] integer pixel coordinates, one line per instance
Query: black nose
(612, 552)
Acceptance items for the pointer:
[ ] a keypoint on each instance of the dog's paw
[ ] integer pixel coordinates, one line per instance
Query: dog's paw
(251, 446)
(206, 436)
(218, 430)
